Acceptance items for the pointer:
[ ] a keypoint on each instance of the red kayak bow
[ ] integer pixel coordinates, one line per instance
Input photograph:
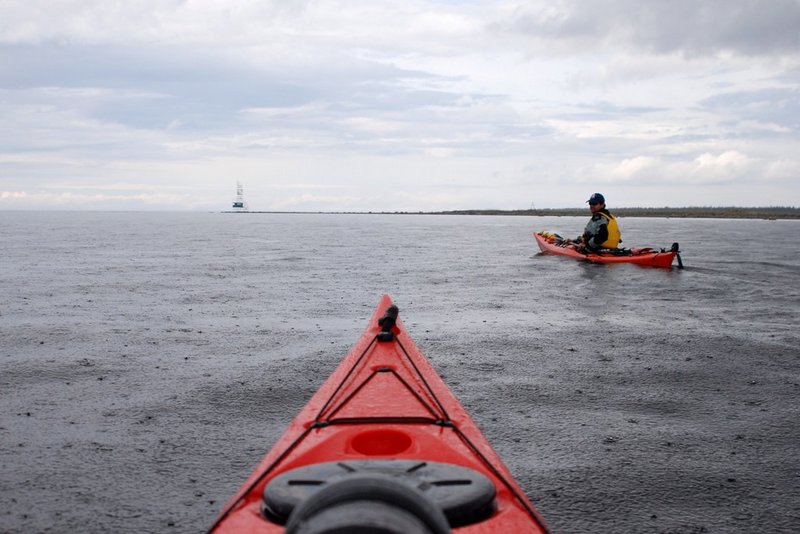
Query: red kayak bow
(382, 446)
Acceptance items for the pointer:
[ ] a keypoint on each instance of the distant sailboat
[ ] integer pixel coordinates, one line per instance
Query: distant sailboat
(238, 202)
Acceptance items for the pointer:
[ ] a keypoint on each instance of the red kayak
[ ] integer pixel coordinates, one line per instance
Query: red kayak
(382, 446)
(550, 243)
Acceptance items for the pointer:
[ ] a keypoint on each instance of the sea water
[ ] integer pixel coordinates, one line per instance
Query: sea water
(148, 360)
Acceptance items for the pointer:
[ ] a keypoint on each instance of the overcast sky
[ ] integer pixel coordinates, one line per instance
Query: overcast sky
(398, 105)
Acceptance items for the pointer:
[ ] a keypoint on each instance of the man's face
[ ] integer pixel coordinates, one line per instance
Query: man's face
(595, 207)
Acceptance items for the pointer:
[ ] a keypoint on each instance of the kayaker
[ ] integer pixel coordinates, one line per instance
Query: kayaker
(602, 231)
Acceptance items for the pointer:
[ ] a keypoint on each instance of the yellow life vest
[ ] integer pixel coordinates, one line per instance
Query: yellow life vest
(614, 235)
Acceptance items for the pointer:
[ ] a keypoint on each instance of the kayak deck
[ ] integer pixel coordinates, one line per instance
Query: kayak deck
(646, 256)
(383, 405)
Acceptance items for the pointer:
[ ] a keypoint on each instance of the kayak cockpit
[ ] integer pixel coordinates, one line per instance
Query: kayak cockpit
(340, 492)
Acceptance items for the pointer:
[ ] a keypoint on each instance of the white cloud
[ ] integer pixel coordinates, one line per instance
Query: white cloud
(632, 167)
(781, 171)
(373, 125)
(705, 169)
(13, 195)
(759, 126)
(101, 201)
(726, 167)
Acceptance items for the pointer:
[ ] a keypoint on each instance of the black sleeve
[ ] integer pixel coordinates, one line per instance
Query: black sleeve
(602, 234)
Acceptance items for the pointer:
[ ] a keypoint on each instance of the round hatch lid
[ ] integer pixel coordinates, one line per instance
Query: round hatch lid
(464, 495)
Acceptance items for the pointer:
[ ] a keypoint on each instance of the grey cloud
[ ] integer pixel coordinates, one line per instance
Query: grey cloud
(202, 90)
(778, 105)
(155, 87)
(691, 27)
(606, 110)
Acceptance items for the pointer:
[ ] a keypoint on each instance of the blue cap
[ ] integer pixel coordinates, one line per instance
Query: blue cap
(597, 198)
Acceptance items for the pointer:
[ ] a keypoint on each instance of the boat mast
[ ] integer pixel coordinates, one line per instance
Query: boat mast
(238, 202)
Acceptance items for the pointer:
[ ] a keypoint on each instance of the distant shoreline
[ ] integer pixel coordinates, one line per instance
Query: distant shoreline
(693, 212)
(771, 213)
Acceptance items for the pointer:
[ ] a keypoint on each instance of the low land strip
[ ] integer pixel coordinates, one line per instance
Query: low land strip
(689, 213)
(696, 212)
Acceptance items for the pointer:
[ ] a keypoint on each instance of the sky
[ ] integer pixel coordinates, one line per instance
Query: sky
(406, 105)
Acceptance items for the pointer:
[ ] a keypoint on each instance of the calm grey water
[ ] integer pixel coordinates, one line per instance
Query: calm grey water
(148, 360)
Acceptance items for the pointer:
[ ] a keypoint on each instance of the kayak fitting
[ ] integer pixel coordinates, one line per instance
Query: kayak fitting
(387, 322)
